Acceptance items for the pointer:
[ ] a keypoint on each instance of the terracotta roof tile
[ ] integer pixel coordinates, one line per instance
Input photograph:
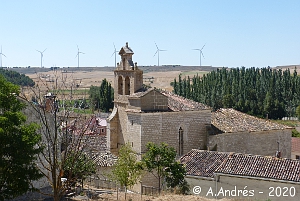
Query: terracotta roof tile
(230, 120)
(261, 166)
(205, 163)
(104, 159)
(179, 103)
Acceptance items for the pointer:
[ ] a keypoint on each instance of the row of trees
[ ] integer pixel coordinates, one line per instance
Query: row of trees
(264, 92)
(101, 98)
(159, 160)
(17, 78)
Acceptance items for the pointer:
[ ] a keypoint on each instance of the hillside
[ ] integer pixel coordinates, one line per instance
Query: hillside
(16, 77)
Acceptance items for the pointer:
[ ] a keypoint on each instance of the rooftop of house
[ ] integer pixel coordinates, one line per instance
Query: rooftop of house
(206, 163)
(230, 120)
(296, 144)
(179, 103)
(104, 159)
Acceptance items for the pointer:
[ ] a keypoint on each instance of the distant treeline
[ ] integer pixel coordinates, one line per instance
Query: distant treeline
(16, 78)
(261, 92)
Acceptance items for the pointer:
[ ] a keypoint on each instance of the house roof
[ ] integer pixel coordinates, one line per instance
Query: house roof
(295, 144)
(261, 166)
(206, 163)
(179, 103)
(230, 120)
(203, 163)
(104, 159)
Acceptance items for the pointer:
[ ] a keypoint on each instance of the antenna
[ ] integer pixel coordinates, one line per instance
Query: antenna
(42, 54)
(115, 51)
(1, 55)
(157, 52)
(77, 55)
(200, 53)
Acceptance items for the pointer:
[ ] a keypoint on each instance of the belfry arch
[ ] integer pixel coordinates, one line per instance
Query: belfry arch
(127, 85)
(120, 85)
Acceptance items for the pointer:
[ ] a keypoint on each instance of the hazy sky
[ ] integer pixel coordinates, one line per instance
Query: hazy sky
(236, 32)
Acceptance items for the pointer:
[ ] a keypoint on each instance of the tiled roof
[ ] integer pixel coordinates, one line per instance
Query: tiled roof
(295, 144)
(230, 120)
(175, 102)
(104, 159)
(261, 166)
(205, 163)
(179, 103)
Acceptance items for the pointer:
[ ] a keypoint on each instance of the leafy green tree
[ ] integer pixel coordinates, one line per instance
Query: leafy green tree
(127, 170)
(78, 166)
(160, 161)
(18, 150)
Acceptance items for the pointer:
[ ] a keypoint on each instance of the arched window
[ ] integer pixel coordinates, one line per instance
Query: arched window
(180, 142)
(127, 85)
(120, 85)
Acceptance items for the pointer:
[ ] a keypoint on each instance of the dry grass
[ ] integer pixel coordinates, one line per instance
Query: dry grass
(166, 197)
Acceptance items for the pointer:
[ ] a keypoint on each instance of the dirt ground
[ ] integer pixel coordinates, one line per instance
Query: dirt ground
(165, 197)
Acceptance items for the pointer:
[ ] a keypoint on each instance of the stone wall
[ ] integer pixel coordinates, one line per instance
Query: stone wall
(258, 143)
(164, 127)
(154, 101)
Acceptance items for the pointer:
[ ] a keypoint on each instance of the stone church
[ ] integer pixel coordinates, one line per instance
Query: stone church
(143, 115)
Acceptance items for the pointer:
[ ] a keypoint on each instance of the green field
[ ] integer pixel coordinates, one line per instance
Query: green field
(192, 73)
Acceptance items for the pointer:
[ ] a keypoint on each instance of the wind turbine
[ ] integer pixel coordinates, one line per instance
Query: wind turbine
(77, 55)
(42, 54)
(115, 55)
(1, 55)
(157, 52)
(200, 53)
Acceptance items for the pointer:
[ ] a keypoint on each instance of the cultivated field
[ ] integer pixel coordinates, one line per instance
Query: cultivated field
(83, 78)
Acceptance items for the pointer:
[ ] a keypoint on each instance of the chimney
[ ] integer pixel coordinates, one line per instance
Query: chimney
(126, 44)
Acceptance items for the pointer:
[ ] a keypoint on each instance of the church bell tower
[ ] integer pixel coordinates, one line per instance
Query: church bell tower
(127, 77)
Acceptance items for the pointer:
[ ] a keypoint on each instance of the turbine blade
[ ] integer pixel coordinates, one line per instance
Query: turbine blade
(202, 54)
(162, 50)
(44, 50)
(196, 49)
(155, 53)
(203, 47)
(156, 45)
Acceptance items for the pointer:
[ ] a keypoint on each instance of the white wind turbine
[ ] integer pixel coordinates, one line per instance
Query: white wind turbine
(77, 55)
(200, 53)
(115, 53)
(157, 52)
(1, 54)
(42, 55)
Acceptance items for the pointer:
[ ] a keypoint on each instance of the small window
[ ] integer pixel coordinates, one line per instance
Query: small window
(297, 157)
(180, 140)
